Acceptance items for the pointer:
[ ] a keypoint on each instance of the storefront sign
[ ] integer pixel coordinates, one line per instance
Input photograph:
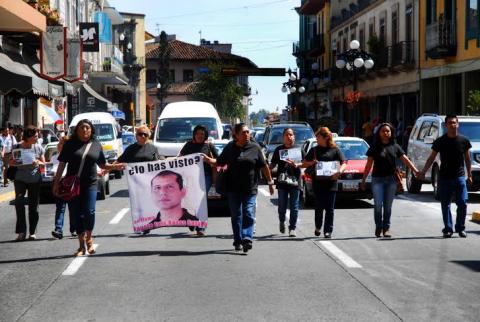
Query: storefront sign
(104, 27)
(53, 52)
(89, 36)
(74, 60)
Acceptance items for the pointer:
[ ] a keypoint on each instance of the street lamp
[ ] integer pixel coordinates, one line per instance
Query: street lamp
(354, 59)
(294, 85)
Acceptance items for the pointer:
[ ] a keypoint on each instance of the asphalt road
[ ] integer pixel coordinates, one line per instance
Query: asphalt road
(172, 276)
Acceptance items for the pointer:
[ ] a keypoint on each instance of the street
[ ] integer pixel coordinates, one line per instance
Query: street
(170, 275)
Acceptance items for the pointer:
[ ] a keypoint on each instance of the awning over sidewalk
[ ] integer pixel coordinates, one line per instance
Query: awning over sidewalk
(91, 101)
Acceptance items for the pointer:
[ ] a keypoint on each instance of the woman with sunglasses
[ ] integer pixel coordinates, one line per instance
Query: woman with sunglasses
(27, 157)
(199, 144)
(82, 206)
(325, 186)
(141, 151)
(382, 156)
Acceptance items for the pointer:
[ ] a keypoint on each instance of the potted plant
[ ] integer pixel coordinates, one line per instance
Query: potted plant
(107, 64)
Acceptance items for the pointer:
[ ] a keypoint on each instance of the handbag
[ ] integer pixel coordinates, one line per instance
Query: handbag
(11, 171)
(397, 175)
(70, 185)
(221, 183)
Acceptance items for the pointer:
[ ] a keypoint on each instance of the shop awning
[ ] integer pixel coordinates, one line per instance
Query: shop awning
(91, 101)
(18, 76)
(118, 114)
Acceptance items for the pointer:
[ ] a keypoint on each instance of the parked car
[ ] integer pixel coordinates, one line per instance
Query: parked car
(427, 128)
(355, 151)
(127, 139)
(259, 134)
(46, 185)
(227, 131)
(273, 137)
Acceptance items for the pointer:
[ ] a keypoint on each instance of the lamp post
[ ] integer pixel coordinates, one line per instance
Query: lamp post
(293, 86)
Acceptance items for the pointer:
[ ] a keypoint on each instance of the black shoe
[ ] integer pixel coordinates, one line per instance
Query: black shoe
(191, 228)
(317, 232)
(327, 235)
(247, 245)
(57, 234)
(282, 227)
(238, 247)
(146, 232)
(462, 234)
(447, 234)
(378, 232)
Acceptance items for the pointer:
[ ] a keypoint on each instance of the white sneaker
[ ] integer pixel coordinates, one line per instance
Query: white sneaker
(32, 237)
(292, 233)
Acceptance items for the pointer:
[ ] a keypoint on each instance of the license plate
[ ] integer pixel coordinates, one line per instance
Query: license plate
(350, 186)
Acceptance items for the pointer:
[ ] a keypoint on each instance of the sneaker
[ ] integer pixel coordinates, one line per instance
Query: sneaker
(20, 237)
(327, 235)
(32, 237)
(447, 234)
(282, 228)
(146, 232)
(247, 245)
(387, 233)
(317, 232)
(57, 234)
(378, 232)
(74, 234)
(462, 234)
(292, 233)
(238, 247)
(191, 228)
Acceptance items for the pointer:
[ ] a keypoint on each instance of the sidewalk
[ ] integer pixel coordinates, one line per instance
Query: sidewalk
(7, 193)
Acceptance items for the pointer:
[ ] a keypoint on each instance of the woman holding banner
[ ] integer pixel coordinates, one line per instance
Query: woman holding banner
(83, 145)
(244, 160)
(141, 151)
(199, 144)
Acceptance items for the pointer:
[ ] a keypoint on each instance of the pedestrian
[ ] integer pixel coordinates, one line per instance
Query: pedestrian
(367, 130)
(348, 129)
(325, 186)
(382, 155)
(60, 204)
(83, 205)
(8, 141)
(244, 160)
(288, 182)
(29, 157)
(140, 151)
(454, 150)
(199, 144)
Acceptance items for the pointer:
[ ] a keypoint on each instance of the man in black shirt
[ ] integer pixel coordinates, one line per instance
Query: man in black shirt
(454, 152)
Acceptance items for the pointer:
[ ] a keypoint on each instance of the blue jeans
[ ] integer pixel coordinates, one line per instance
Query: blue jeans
(324, 201)
(294, 203)
(457, 188)
(82, 209)
(383, 189)
(60, 214)
(208, 185)
(242, 211)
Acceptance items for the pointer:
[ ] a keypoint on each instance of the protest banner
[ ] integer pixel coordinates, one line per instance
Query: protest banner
(168, 193)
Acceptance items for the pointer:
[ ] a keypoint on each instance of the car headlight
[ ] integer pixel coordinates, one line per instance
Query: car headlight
(476, 157)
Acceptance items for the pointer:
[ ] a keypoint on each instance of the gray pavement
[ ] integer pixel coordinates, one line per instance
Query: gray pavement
(172, 276)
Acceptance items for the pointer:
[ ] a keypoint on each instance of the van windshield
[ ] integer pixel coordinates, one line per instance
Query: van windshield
(103, 132)
(469, 129)
(180, 129)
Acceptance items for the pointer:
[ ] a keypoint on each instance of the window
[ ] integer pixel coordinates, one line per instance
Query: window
(361, 36)
(188, 75)
(395, 24)
(383, 26)
(151, 76)
(172, 75)
(409, 22)
(472, 19)
(431, 11)
(434, 131)
(371, 27)
(424, 130)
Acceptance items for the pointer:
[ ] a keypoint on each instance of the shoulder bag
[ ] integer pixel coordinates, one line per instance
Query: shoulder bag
(397, 175)
(70, 185)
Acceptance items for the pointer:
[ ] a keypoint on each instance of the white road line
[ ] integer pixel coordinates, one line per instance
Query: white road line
(340, 254)
(115, 220)
(264, 192)
(76, 264)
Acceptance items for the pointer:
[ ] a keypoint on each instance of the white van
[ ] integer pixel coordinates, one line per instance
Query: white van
(176, 123)
(107, 131)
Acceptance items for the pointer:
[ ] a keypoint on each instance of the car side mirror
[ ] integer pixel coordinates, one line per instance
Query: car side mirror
(428, 140)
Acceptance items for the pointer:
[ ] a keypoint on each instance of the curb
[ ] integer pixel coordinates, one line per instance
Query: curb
(476, 216)
(7, 196)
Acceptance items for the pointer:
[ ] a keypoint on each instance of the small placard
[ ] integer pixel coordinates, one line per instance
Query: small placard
(291, 154)
(327, 168)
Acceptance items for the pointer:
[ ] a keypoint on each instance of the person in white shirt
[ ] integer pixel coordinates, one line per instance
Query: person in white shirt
(8, 141)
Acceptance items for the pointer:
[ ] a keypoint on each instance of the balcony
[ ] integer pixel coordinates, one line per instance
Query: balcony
(316, 45)
(441, 39)
(298, 49)
(311, 7)
(109, 59)
(383, 61)
(403, 55)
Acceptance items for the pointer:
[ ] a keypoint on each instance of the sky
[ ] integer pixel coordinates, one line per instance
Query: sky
(260, 30)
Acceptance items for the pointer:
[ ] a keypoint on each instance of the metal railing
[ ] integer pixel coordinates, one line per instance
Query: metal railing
(441, 34)
(108, 59)
(316, 42)
(403, 53)
(384, 58)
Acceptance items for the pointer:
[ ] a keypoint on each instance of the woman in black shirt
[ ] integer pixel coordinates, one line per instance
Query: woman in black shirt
(324, 186)
(199, 144)
(83, 206)
(382, 155)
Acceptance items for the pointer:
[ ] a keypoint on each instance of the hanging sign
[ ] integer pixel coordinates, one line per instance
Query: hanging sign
(89, 36)
(53, 52)
(74, 60)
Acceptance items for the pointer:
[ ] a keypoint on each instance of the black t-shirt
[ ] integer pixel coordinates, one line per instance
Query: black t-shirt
(244, 164)
(384, 157)
(205, 148)
(139, 153)
(72, 155)
(320, 153)
(284, 167)
(452, 155)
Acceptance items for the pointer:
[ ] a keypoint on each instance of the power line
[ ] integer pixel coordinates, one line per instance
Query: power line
(228, 25)
(263, 48)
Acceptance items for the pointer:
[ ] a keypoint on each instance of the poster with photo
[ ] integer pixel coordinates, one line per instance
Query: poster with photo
(327, 168)
(17, 156)
(294, 154)
(168, 193)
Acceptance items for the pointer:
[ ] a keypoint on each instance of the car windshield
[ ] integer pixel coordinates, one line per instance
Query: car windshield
(180, 129)
(128, 139)
(219, 147)
(353, 150)
(301, 135)
(469, 129)
(259, 136)
(103, 132)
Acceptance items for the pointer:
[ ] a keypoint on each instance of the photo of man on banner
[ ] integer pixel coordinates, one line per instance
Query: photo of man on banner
(168, 193)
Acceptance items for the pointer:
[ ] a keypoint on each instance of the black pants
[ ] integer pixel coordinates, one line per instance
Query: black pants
(21, 189)
(324, 201)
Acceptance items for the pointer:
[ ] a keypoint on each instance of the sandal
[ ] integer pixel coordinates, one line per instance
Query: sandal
(89, 242)
(79, 252)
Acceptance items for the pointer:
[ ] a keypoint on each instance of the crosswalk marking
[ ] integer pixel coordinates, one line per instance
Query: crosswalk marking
(340, 254)
(115, 220)
(75, 265)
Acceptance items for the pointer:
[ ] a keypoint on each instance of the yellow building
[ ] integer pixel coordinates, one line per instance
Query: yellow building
(449, 55)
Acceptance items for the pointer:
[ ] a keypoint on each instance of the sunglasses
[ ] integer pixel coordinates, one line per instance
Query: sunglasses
(145, 135)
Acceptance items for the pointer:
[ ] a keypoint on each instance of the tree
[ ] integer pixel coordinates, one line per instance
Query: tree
(473, 107)
(163, 72)
(221, 91)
